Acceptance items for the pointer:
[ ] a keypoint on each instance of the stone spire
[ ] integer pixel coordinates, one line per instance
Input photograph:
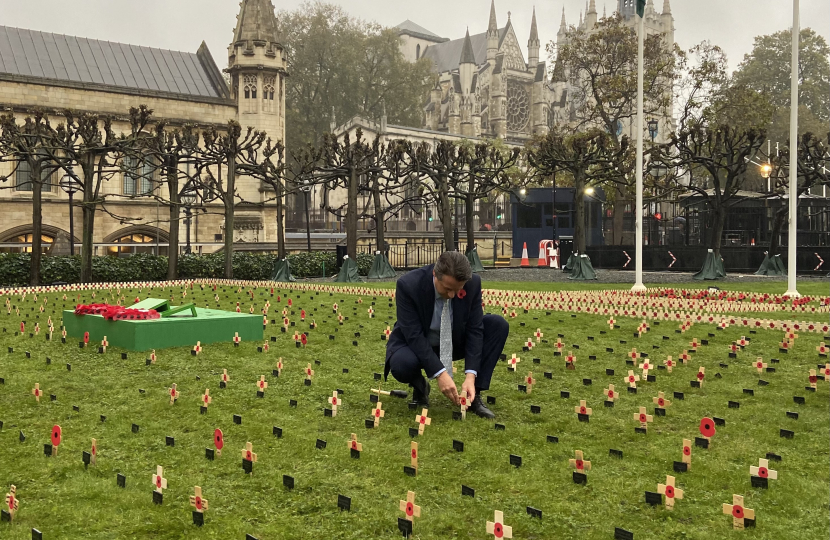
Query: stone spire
(467, 65)
(591, 15)
(493, 27)
(492, 35)
(533, 44)
(580, 17)
(467, 56)
(666, 7)
(604, 12)
(592, 8)
(256, 22)
(563, 25)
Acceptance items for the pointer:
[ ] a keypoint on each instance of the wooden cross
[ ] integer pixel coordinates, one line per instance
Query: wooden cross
(279, 366)
(813, 378)
(634, 355)
(611, 323)
(739, 513)
(539, 335)
(371, 312)
(661, 400)
(670, 492)
(645, 366)
(93, 452)
(248, 453)
(701, 373)
(423, 420)
(610, 394)
(687, 453)
(388, 332)
(822, 349)
(334, 401)
(413, 454)
(529, 344)
(309, 373)
(265, 347)
(37, 392)
(225, 376)
(206, 399)
(11, 501)
(104, 344)
(684, 357)
(497, 527)
(152, 355)
(408, 507)
(262, 384)
(196, 500)
(159, 481)
(734, 348)
(743, 342)
(198, 347)
(465, 403)
(37, 327)
(302, 315)
(582, 408)
(378, 413)
(579, 463)
(669, 363)
(826, 372)
(174, 394)
(236, 339)
(559, 344)
(529, 381)
(354, 445)
(643, 418)
(631, 379)
(570, 360)
(694, 344)
(513, 361)
(763, 470)
(760, 365)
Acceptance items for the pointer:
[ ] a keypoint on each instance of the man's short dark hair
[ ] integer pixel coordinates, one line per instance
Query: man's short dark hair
(454, 264)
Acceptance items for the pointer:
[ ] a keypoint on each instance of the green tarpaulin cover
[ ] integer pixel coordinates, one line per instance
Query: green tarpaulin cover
(282, 271)
(582, 269)
(381, 269)
(348, 272)
(475, 262)
(569, 266)
(772, 266)
(712, 268)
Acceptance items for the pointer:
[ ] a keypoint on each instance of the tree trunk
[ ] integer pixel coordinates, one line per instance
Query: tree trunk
(230, 190)
(37, 221)
(619, 217)
(719, 221)
(579, 216)
(280, 222)
(469, 202)
(777, 225)
(351, 215)
(88, 211)
(173, 249)
(380, 216)
(445, 213)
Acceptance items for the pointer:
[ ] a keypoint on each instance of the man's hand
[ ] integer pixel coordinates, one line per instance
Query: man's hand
(447, 387)
(469, 385)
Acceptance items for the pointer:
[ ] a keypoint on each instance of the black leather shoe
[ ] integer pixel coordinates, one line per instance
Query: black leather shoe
(478, 407)
(421, 397)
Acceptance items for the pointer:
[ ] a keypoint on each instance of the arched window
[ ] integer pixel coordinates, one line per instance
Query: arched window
(417, 51)
(269, 86)
(250, 91)
(136, 243)
(46, 242)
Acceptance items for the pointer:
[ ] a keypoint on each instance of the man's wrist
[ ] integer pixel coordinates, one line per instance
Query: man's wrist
(471, 375)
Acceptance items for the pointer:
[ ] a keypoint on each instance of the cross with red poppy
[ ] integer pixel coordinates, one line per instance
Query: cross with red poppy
(631, 379)
(694, 344)
(86, 337)
(734, 347)
(669, 363)
(763, 470)
(413, 454)
(645, 366)
(822, 349)
(334, 307)
(539, 335)
(296, 336)
(684, 357)
(266, 347)
(248, 453)
(11, 501)
(570, 360)
(826, 372)
(152, 355)
(309, 373)
(464, 399)
(559, 345)
(37, 392)
(785, 344)
(497, 527)
(387, 332)
(529, 344)
(206, 399)
(423, 420)
(611, 323)
(610, 394)
(760, 365)
(285, 321)
(701, 373)
(37, 326)
(302, 315)
(707, 428)
(661, 400)
(218, 441)
(633, 354)
(529, 381)
(513, 361)
(643, 418)
(579, 462)
(236, 339)
(409, 508)
(93, 452)
(354, 445)
(670, 492)
(196, 500)
(198, 347)
(739, 513)
(334, 401)
(743, 342)
(812, 378)
(57, 437)
(159, 481)
(582, 408)
(303, 339)
(378, 413)
(174, 394)
(225, 377)
(371, 311)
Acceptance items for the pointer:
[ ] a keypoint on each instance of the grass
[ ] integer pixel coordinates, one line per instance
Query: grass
(63, 500)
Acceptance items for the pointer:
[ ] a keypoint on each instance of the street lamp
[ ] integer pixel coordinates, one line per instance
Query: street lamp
(188, 198)
(70, 186)
(652, 129)
(306, 188)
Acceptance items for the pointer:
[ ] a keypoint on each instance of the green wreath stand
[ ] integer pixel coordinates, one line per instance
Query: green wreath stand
(348, 272)
(582, 269)
(282, 271)
(712, 268)
(772, 266)
(475, 262)
(381, 269)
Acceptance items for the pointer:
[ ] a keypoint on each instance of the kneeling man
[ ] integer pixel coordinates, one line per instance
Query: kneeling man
(440, 319)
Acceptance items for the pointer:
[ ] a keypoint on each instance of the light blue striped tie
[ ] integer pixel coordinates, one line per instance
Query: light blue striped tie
(446, 338)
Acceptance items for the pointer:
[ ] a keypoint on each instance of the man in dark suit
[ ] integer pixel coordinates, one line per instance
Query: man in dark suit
(440, 320)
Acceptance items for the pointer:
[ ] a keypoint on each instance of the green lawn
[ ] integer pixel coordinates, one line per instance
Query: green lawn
(63, 500)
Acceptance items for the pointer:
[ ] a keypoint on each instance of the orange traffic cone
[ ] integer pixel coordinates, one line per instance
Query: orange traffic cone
(543, 260)
(525, 261)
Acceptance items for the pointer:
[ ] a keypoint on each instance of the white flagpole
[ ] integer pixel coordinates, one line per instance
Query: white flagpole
(793, 186)
(638, 223)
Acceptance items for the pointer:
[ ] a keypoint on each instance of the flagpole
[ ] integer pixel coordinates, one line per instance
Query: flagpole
(638, 221)
(792, 240)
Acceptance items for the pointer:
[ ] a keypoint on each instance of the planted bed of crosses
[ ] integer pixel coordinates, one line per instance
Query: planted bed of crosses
(305, 468)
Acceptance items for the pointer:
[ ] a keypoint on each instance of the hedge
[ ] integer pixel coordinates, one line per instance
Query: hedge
(14, 267)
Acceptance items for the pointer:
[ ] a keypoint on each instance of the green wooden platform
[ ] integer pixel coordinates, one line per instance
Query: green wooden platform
(177, 327)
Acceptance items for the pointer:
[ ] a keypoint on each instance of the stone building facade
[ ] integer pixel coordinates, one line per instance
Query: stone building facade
(57, 72)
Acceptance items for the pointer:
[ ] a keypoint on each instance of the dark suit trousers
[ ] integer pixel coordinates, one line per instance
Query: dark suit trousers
(406, 367)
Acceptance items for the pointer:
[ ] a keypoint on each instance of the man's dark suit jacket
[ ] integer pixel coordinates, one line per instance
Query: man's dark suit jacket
(415, 294)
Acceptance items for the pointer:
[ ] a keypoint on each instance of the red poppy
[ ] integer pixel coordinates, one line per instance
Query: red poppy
(414, 454)
(303, 339)
(700, 375)
(642, 418)
(661, 401)
(707, 427)
(670, 492)
(218, 439)
(579, 464)
(498, 531)
(582, 410)
(737, 512)
(763, 472)
(461, 294)
(56, 435)
(410, 509)
(687, 450)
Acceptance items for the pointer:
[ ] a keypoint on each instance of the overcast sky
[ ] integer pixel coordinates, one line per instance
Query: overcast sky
(183, 24)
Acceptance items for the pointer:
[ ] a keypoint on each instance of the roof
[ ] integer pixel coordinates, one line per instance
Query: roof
(446, 56)
(416, 30)
(256, 22)
(55, 58)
